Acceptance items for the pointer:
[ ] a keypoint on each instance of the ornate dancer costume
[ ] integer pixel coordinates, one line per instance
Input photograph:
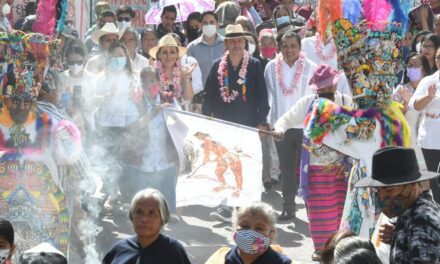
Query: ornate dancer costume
(371, 60)
(34, 191)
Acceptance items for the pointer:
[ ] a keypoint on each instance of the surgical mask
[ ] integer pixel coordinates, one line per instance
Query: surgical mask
(418, 45)
(251, 242)
(123, 25)
(209, 30)
(414, 74)
(6, 9)
(117, 64)
(268, 52)
(283, 20)
(75, 68)
(4, 254)
(251, 47)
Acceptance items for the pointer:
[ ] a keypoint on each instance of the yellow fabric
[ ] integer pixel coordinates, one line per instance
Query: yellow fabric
(406, 134)
(219, 256)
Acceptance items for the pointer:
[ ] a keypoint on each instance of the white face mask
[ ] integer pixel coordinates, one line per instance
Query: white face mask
(252, 48)
(209, 30)
(75, 68)
(418, 45)
(123, 25)
(6, 9)
(4, 254)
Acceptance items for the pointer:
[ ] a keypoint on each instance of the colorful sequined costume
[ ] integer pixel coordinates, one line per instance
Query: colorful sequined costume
(34, 194)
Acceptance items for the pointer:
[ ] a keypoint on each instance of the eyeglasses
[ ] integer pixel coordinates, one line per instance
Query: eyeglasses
(126, 19)
(16, 100)
(79, 62)
(428, 47)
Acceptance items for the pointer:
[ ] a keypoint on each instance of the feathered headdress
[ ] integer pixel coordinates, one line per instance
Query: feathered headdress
(328, 12)
(377, 13)
(27, 58)
(46, 17)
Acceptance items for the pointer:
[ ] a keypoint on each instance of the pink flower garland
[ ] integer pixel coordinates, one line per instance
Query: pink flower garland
(223, 78)
(295, 80)
(319, 51)
(176, 77)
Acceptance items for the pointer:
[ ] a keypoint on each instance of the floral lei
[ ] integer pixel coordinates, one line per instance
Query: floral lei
(223, 78)
(164, 82)
(295, 80)
(319, 51)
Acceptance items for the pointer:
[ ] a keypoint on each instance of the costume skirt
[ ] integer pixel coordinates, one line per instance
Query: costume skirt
(325, 202)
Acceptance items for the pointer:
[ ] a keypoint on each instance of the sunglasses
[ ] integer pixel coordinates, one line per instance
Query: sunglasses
(126, 19)
(71, 63)
(16, 100)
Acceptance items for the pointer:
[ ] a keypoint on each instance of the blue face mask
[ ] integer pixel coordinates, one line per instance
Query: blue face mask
(117, 64)
(283, 20)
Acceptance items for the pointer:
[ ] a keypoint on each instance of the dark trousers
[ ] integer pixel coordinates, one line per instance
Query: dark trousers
(432, 160)
(289, 151)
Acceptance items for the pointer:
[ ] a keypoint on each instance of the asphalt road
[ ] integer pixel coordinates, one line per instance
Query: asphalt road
(202, 235)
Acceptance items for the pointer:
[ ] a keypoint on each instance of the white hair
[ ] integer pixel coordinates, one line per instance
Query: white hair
(257, 208)
(157, 196)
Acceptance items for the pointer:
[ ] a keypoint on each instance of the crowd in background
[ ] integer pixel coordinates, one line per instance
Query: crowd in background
(247, 62)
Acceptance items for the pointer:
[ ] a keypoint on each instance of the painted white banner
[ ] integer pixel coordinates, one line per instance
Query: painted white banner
(220, 162)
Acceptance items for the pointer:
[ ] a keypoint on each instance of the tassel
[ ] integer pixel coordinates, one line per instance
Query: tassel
(328, 12)
(46, 17)
(352, 10)
(376, 13)
(64, 7)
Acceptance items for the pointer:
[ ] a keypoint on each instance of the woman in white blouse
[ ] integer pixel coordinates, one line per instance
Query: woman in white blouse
(426, 99)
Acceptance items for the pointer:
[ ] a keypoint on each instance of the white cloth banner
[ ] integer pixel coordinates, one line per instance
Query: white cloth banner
(220, 162)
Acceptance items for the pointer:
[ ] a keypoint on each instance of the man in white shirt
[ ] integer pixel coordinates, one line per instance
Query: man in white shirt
(105, 36)
(287, 80)
(131, 39)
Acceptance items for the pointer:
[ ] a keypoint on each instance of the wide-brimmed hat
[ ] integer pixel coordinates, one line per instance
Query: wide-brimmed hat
(234, 31)
(167, 41)
(324, 76)
(393, 166)
(283, 28)
(108, 28)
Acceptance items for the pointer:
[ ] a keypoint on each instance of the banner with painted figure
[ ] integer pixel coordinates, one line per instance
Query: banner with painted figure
(220, 162)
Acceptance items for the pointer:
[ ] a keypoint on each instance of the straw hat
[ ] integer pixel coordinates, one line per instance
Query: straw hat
(167, 41)
(234, 31)
(108, 28)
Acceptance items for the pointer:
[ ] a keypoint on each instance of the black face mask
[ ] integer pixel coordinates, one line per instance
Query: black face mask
(330, 96)
(193, 33)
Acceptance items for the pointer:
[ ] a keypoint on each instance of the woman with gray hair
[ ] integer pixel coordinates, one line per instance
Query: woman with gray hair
(255, 231)
(148, 214)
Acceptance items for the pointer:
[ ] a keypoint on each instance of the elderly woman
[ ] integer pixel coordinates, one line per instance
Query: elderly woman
(172, 74)
(255, 231)
(148, 215)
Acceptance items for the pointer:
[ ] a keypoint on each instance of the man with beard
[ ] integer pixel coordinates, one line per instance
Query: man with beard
(34, 189)
(415, 236)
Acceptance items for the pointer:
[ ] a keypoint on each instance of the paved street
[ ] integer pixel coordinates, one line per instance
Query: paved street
(202, 236)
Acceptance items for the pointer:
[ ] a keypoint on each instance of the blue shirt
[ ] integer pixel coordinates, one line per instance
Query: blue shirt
(206, 54)
(165, 250)
(270, 256)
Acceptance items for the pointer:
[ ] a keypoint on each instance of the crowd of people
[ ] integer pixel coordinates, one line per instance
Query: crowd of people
(97, 109)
